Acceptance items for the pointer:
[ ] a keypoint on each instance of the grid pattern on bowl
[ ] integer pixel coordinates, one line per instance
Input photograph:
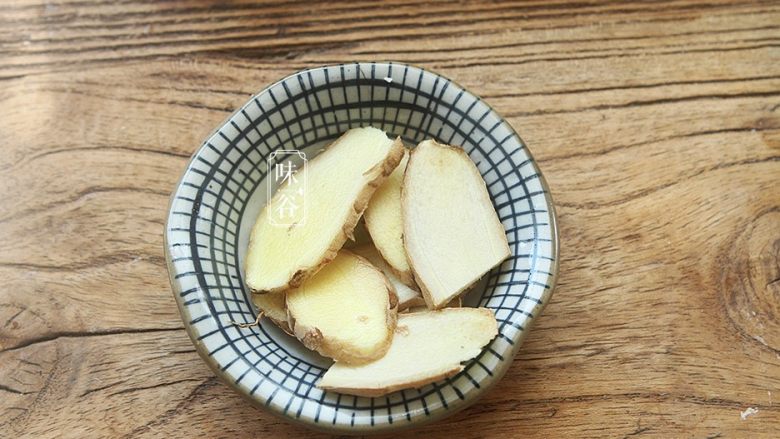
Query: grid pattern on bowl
(309, 107)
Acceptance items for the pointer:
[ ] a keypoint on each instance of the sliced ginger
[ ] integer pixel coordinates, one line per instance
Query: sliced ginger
(338, 185)
(433, 228)
(407, 297)
(384, 224)
(427, 347)
(347, 311)
(452, 234)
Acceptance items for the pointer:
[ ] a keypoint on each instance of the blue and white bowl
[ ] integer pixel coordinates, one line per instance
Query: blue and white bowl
(223, 189)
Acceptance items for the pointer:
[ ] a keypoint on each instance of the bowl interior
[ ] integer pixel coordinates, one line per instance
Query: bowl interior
(225, 186)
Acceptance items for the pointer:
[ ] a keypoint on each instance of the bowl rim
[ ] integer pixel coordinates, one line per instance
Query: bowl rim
(360, 429)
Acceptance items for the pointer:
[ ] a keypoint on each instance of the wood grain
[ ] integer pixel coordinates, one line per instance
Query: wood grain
(657, 125)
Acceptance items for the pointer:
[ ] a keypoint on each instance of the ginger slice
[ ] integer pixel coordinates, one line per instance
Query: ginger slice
(338, 185)
(384, 224)
(407, 297)
(272, 306)
(452, 233)
(427, 347)
(347, 311)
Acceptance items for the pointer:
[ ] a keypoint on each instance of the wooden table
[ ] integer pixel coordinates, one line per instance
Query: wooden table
(656, 124)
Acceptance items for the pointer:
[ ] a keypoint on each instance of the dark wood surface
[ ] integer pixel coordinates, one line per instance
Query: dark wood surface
(657, 125)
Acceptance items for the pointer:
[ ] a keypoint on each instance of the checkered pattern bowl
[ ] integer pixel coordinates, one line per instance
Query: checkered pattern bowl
(224, 187)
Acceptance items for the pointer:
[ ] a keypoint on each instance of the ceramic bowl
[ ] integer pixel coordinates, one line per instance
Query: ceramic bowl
(223, 189)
